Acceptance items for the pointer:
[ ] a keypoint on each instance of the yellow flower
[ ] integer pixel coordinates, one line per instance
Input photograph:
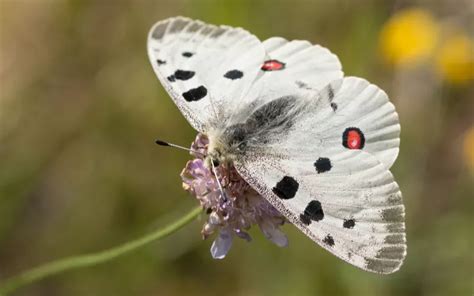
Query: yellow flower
(409, 37)
(455, 59)
(469, 148)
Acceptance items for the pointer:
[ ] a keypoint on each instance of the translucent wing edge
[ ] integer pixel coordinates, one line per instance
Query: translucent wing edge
(157, 32)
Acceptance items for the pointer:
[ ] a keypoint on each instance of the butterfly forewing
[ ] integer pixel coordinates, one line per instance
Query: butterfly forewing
(205, 68)
(211, 71)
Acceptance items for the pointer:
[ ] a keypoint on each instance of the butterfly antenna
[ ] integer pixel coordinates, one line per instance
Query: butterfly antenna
(163, 143)
(224, 196)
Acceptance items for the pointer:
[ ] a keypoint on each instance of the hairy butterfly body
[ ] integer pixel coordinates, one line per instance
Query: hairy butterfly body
(316, 145)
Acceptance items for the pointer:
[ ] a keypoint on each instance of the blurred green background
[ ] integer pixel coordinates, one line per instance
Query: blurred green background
(80, 108)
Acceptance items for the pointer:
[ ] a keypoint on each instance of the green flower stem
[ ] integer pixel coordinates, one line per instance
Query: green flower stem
(55, 267)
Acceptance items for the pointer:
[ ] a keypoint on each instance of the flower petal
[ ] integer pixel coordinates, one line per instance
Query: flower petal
(221, 244)
(242, 234)
(231, 216)
(273, 233)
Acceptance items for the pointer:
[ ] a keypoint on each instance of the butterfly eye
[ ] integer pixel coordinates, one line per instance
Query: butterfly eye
(242, 146)
(215, 162)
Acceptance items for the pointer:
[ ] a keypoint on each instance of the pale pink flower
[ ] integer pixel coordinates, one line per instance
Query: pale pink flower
(234, 215)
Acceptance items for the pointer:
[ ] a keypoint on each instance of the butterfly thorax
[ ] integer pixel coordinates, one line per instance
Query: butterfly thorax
(225, 145)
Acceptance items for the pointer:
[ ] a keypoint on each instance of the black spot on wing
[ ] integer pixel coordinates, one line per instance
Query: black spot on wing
(234, 74)
(348, 223)
(160, 62)
(286, 188)
(322, 165)
(329, 240)
(313, 212)
(305, 219)
(187, 54)
(195, 94)
(334, 106)
(183, 74)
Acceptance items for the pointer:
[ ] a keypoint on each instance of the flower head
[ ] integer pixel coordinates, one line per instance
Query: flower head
(455, 58)
(233, 214)
(409, 37)
(469, 148)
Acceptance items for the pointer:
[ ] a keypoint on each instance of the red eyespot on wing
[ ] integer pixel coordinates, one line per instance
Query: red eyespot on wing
(273, 65)
(353, 138)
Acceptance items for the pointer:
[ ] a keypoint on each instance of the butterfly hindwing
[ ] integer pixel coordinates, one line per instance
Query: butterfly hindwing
(359, 216)
(326, 170)
(348, 113)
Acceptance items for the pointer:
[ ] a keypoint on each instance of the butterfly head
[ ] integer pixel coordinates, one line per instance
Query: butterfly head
(226, 144)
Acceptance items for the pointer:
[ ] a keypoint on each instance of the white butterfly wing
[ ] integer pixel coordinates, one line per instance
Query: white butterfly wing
(291, 66)
(204, 68)
(211, 71)
(304, 65)
(357, 110)
(333, 184)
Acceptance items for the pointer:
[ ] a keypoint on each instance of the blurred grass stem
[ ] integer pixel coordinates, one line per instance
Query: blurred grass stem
(59, 266)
